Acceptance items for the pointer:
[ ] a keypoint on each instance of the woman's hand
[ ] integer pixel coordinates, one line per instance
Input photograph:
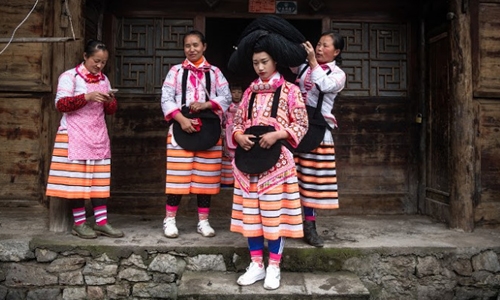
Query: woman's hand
(197, 106)
(311, 54)
(244, 140)
(98, 97)
(187, 124)
(267, 140)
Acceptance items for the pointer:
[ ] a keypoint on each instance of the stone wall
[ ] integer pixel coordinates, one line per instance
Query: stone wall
(75, 275)
(439, 275)
(81, 274)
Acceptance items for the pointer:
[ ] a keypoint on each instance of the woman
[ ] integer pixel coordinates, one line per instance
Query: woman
(196, 169)
(266, 205)
(81, 161)
(320, 78)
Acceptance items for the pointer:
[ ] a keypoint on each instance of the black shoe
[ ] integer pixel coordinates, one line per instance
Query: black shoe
(311, 236)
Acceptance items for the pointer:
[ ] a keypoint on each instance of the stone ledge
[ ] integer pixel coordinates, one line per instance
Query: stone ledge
(294, 286)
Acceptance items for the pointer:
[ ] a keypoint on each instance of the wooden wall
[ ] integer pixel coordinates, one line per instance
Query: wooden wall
(24, 83)
(42, 48)
(487, 98)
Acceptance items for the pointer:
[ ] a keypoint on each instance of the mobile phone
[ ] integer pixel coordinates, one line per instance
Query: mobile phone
(113, 91)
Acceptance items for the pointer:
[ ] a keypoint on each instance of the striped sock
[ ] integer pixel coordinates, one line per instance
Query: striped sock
(79, 215)
(203, 213)
(257, 257)
(309, 214)
(171, 211)
(274, 259)
(101, 215)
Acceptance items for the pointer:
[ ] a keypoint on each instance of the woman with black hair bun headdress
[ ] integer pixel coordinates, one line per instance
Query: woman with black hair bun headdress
(320, 79)
(270, 121)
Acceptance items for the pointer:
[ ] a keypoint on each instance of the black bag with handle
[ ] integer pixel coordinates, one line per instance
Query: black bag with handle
(317, 125)
(210, 130)
(258, 160)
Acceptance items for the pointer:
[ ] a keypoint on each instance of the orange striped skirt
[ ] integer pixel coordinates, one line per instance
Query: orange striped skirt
(193, 172)
(77, 179)
(227, 177)
(317, 176)
(274, 214)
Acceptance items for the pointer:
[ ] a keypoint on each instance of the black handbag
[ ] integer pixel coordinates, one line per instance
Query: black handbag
(316, 131)
(205, 138)
(210, 130)
(258, 160)
(317, 125)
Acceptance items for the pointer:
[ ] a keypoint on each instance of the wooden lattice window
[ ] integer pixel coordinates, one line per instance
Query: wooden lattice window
(146, 48)
(375, 59)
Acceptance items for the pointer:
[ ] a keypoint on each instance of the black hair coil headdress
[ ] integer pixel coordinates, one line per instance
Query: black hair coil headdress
(274, 35)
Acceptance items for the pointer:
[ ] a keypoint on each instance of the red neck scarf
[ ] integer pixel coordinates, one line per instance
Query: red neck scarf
(87, 76)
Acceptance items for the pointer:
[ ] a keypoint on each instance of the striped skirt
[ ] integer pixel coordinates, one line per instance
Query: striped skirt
(227, 177)
(275, 214)
(193, 172)
(317, 176)
(77, 179)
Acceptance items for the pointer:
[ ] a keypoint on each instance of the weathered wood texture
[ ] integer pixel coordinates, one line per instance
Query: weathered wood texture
(486, 59)
(25, 66)
(372, 154)
(65, 56)
(20, 130)
(488, 209)
(437, 119)
(339, 10)
(462, 140)
(488, 81)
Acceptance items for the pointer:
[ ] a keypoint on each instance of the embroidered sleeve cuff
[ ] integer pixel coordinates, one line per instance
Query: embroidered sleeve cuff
(68, 104)
(111, 107)
(172, 115)
(215, 106)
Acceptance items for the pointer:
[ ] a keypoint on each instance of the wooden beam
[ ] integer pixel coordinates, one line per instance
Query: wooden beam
(463, 146)
(60, 217)
(65, 55)
(36, 40)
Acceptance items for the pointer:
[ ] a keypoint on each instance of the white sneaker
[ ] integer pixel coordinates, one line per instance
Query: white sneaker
(273, 276)
(205, 229)
(169, 228)
(253, 274)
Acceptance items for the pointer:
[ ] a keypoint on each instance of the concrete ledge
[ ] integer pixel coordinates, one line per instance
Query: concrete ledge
(294, 286)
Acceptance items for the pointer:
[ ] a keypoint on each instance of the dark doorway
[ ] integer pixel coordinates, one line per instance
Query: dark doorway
(223, 34)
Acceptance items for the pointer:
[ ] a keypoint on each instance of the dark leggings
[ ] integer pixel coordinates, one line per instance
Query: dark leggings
(95, 202)
(203, 200)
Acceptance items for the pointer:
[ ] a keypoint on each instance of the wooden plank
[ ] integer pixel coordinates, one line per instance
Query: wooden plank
(22, 62)
(488, 213)
(487, 209)
(462, 140)
(20, 164)
(489, 48)
(388, 9)
(66, 55)
(13, 13)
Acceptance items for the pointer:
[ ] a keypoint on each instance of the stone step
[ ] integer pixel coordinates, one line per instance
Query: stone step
(294, 286)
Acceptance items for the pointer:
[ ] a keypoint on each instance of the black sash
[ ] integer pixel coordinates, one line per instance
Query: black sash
(258, 160)
(210, 131)
(317, 123)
